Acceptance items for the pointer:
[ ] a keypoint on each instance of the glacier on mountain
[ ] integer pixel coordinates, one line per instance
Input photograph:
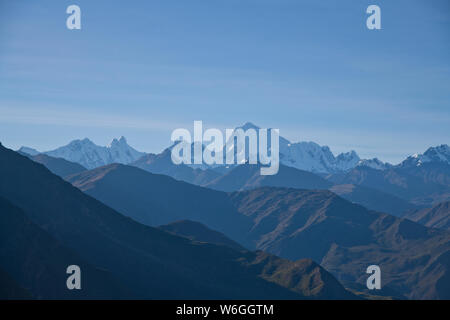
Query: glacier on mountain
(91, 156)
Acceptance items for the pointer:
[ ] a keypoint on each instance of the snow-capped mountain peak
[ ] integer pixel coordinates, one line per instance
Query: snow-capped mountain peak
(90, 155)
(312, 157)
(374, 163)
(307, 156)
(248, 125)
(116, 142)
(434, 154)
(346, 161)
(439, 154)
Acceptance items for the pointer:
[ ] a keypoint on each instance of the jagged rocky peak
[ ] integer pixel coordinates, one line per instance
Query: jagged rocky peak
(90, 155)
(438, 154)
(374, 163)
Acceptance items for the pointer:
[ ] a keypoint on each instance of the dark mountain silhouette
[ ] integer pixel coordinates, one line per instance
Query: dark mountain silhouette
(199, 232)
(291, 223)
(10, 289)
(422, 185)
(154, 199)
(37, 262)
(289, 274)
(435, 217)
(58, 166)
(162, 164)
(346, 238)
(151, 263)
(245, 177)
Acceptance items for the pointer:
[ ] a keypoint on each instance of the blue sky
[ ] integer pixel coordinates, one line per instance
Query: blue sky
(310, 68)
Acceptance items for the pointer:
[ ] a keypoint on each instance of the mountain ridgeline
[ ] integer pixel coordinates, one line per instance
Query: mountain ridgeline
(291, 223)
(342, 212)
(47, 225)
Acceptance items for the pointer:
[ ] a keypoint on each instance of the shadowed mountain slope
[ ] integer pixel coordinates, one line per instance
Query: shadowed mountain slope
(10, 289)
(155, 199)
(435, 217)
(162, 164)
(58, 166)
(346, 238)
(151, 263)
(292, 275)
(244, 177)
(37, 262)
(199, 232)
(294, 224)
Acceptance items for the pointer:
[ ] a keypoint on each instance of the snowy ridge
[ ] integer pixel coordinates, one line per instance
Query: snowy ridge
(312, 157)
(374, 163)
(308, 156)
(91, 156)
(434, 154)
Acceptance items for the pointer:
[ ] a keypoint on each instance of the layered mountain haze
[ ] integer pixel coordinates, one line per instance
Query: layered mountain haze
(123, 214)
(147, 262)
(162, 164)
(58, 166)
(155, 199)
(346, 238)
(246, 177)
(373, 199)
(289, 222)
(418, 182)
(423, 185)
(249, 177)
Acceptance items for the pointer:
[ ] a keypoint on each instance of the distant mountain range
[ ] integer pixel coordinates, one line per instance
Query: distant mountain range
(423, 185)
(307, 156)
(289, 222)
(90, 155)
(47, 224)
(418, 182)
(342, 212)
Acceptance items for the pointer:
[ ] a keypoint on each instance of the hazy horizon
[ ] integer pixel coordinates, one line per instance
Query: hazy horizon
(311, 69)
